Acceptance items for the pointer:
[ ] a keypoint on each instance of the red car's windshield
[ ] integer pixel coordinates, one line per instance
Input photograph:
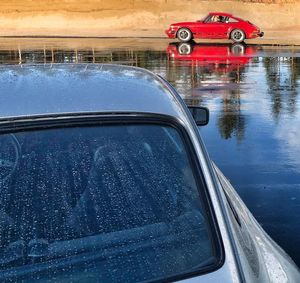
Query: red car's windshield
(205, 18)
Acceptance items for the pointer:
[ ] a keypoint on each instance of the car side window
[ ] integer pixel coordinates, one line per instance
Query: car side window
(216, 19)
(231, 20)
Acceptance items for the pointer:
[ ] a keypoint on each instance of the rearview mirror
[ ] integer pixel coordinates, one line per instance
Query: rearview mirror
(200, 115)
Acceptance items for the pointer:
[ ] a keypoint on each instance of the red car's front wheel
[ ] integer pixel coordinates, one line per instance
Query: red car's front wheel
(184, 35)
(237, 35)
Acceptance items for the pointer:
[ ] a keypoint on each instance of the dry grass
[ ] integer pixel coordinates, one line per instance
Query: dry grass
(270, 1)
(135, 17)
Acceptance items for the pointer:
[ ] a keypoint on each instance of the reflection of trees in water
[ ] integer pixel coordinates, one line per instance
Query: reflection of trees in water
(231, 121)
(282, 74)
(189, 78)
(153, 60)
(184, 77)
(52, 55)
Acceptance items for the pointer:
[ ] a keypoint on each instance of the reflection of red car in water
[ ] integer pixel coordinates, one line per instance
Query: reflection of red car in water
(220, 57)
(216, 26)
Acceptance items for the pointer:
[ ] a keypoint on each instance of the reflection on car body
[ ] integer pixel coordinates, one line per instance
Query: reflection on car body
(239, 53)
(104, 177)
(219, 58)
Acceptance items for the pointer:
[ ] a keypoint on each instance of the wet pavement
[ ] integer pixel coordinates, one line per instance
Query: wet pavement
(253, 95)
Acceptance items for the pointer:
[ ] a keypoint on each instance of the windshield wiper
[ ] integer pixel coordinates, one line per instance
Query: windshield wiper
(38, 248)
(13, 252)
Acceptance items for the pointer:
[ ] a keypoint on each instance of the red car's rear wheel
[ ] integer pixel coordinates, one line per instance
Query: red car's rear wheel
(184, 35)
(237, 35)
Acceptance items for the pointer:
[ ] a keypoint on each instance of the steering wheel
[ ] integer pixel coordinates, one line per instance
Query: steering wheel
(9, 156)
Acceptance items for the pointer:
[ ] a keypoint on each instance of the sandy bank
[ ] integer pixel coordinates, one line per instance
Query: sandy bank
(136, 18)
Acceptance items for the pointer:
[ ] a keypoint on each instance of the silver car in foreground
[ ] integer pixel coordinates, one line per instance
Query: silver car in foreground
(105, 178)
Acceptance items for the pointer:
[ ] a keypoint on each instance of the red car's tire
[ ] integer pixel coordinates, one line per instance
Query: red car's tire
(237, 35)
(184, 35)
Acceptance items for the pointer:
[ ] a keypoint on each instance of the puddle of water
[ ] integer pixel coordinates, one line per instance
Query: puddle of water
(253, 96)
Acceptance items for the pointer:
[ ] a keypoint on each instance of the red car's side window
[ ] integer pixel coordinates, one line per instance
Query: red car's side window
(232, 20)
(215, 19)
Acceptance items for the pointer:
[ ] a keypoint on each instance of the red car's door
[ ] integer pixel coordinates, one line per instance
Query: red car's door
(198, 29)
(215, 30)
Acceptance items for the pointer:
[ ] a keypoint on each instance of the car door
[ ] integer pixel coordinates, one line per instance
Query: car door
(198, 29)
(215, 29)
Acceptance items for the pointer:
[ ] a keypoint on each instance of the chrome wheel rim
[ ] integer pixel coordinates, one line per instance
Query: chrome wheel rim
(183, 34)
(237, 35)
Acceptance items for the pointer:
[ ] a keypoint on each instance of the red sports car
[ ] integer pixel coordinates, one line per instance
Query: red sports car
(216, 26)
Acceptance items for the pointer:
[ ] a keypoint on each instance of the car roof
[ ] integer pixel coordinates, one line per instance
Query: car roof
(221, 14)
(29, 90)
